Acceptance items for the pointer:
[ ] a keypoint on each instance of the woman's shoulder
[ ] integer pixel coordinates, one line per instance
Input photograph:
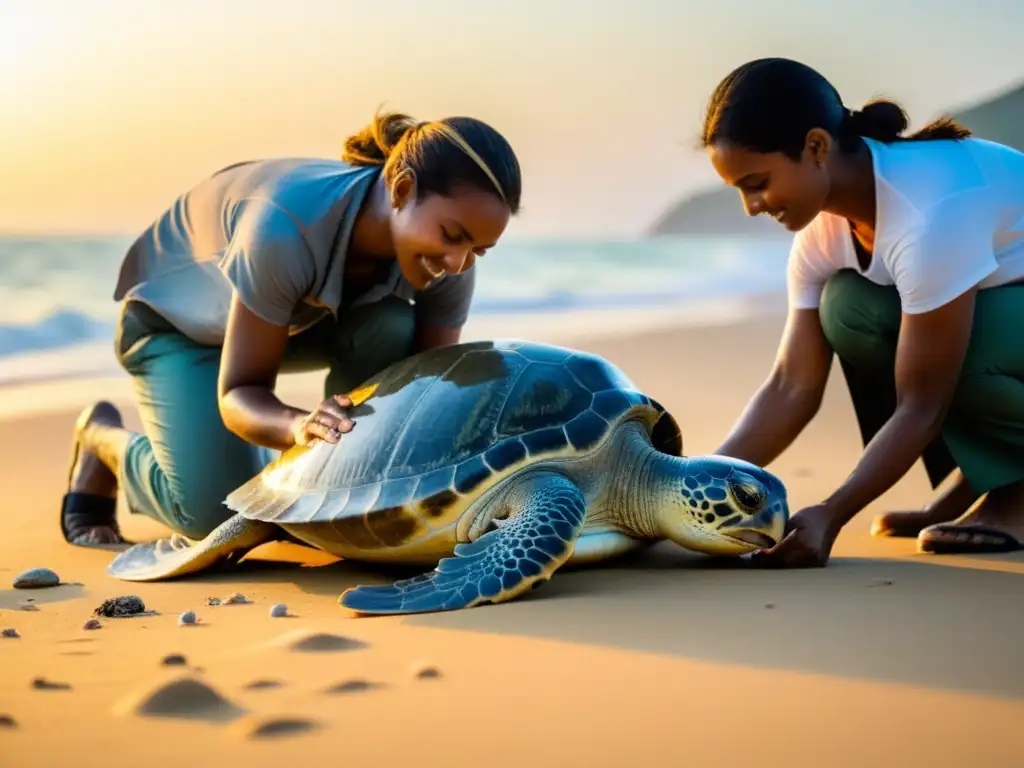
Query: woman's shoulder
(307, 188)
(822, 238)
(920, 177)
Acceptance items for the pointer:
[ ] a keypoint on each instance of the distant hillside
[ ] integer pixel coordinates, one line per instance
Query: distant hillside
(719, 211)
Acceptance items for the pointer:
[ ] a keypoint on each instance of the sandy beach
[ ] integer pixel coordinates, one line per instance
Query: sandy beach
(664, 659)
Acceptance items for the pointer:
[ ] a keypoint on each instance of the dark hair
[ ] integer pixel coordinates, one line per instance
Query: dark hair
(769, 105)
(443, 155)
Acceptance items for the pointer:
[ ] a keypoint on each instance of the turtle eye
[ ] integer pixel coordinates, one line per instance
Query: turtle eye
(748, 496)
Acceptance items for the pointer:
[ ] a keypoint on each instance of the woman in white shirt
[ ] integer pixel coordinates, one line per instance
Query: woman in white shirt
(908, 265)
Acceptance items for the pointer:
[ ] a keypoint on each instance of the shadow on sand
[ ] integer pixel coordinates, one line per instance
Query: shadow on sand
(917, 621)
(12, 599)
(910, 621)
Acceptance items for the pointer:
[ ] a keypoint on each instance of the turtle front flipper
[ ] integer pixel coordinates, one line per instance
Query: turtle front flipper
(537, 537)
(177, 555)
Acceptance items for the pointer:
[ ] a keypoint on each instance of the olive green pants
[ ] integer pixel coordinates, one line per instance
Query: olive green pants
(983, 433)
(181, 469)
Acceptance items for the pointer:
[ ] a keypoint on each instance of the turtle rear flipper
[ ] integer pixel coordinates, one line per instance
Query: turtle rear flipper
(176, 556)
(532, 543)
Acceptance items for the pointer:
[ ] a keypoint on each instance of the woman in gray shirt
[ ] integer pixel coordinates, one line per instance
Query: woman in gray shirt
(276, 266)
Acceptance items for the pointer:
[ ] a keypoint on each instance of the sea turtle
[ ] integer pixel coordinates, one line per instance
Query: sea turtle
(497, 462)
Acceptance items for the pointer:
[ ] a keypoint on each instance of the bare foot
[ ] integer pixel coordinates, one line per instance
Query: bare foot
(996, 525)
(90, 476)
(945, 508)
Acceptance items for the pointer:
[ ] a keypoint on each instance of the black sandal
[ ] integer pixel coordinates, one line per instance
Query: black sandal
(81, 511)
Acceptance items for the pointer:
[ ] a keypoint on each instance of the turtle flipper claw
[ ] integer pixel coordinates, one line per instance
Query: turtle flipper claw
(500, 565)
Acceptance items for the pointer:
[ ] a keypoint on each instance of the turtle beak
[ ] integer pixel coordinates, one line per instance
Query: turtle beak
(756, 539)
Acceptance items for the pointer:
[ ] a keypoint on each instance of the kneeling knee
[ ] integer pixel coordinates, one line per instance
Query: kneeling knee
(853, 307)
(196, 517)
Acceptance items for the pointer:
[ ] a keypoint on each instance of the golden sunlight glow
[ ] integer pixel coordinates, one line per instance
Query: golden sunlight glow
(23, 35)
(111, 108)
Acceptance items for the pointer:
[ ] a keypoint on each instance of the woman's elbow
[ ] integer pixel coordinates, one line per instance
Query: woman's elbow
(927, 415)
(228, 409)
(804, 396)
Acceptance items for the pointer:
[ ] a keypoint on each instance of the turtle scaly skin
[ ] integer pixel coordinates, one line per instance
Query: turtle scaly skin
(496, 462)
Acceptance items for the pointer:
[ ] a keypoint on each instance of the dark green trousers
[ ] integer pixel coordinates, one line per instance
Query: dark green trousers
(181, 469)
(983, 433)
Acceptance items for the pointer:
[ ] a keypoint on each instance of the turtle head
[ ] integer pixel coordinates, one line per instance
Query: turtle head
(724, 506)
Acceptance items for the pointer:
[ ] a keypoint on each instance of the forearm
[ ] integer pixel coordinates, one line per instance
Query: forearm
(886, 459)
(256, 415)
(771, 422)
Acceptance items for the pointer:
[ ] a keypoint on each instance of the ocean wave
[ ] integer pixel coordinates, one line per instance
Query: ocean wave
(62, 328)
(55, 293)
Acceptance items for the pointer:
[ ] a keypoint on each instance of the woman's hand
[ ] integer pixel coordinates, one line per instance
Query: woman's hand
(327, 422)
(810, 534)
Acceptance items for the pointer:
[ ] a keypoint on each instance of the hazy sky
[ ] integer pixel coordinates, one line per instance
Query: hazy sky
(111, 108)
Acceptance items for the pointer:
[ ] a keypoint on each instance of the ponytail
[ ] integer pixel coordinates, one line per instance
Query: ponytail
(443, 155)
(769, 105)
(885, 121)
(374, 144)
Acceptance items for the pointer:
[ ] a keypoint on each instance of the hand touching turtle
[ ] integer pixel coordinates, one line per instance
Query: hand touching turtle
(327, 422)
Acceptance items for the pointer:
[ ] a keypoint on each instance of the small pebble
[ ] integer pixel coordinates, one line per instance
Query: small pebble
(126, 605)
(352, 686)
(214, 601)
(173, 660)
(6, 721)
(425, 671)
(769, 605)
(10, 632)
(92, 624)
(45, 685)
(259, 685)
(257, 727)
(36, 578)
(279, 610)
(236, 599)
(880, 583)
(188, 617)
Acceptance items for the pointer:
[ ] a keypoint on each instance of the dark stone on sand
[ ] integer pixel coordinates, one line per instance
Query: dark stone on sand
(352, 686)
(6, 721)
(259, 685)
(274, 727)
(42, 684)
(426, 671)
(36, 578)
(92, 624)
(173, 659)
(10, 632)
(126, 605)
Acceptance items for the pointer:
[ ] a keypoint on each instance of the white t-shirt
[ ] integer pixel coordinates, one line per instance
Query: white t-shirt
(950, 215)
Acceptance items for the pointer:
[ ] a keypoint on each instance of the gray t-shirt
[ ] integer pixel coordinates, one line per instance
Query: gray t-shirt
(277, 231)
